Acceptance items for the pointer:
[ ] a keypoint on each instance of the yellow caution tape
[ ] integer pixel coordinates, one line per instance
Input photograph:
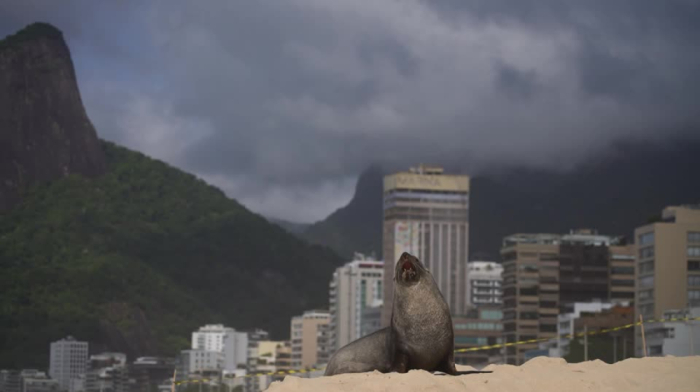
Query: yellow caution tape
(470, 349)
(569, 336)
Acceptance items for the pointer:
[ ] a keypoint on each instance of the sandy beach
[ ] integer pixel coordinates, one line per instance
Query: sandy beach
(668, 374)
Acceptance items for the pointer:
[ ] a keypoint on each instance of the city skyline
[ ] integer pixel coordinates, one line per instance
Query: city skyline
(193, 201)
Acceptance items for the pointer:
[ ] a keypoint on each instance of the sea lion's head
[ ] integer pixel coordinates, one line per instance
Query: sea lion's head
(409, 270)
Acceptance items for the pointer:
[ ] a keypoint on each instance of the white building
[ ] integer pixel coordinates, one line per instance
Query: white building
(200, 361)
(68, 361)
(679, 338)
(35, 381)
(215, 337)
(10, 381)
(355, 286)
(484, 283)
(565, 325)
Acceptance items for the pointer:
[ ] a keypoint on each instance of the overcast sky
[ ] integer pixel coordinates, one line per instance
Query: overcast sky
(282, 103)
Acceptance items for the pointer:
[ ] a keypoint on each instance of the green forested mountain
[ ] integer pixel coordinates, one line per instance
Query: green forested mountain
(136, 258)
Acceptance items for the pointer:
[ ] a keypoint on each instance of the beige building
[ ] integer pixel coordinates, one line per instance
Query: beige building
(309, 333)
(283, 356)
(268, 351)
(546, 274)
(621, 272)
(668, 263)
(426, 213)
(354, 287)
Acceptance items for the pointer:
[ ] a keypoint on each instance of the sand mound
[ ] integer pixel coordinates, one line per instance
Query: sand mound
(541, 374)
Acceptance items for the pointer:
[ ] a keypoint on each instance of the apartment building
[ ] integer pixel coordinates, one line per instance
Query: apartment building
(668, 264)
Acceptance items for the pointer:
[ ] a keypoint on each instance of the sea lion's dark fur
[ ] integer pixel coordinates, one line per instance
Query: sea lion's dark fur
(420, 335)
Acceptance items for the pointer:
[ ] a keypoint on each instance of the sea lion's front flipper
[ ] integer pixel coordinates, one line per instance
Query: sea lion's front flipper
(400, 364)
(447, 365)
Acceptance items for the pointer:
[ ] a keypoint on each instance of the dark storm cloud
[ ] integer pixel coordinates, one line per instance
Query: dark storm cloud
(516, 83)
(282, 104)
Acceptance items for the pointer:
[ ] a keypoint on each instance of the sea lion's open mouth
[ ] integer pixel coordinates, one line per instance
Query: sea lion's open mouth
(408, 271)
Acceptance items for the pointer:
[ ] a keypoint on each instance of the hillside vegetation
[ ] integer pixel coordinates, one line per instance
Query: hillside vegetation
(137, 258)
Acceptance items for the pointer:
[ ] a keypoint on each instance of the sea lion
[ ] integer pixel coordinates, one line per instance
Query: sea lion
(420, 335)
(420, 320)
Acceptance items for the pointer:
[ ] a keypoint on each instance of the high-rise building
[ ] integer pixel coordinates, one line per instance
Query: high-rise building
(668, 264)
(309, 333)
(231, 344)
(481, 326)
(354, 287)
(426, 213)
(68, 361)
(371, 320)
(252, 384)
(621, 282)
(546, 274)
(484, 284)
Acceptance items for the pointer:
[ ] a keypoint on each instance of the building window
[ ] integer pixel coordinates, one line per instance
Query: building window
(646, 295)
(528, 316)
(693, 296)
(470, 340)
(646, 238)
(646, 281)
(620, 282)
(694, 280)
(646, 267)
(647, 252)
(693, 265)
(694, 251)
(622, 270)
(694, 236)
(647, 310)
(491, 314)
(655, 350)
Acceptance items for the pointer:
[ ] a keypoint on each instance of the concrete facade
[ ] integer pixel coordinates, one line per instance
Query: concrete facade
(32, 380)
(68, 361)
(479, 327)
(426, 213)
(546, 274)
(679, 338)
(216, 337)
(668, 264)
(484, 284)
(197, 362)
(566, 326)
(107, 373)
(354, 287)
(309, 333)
